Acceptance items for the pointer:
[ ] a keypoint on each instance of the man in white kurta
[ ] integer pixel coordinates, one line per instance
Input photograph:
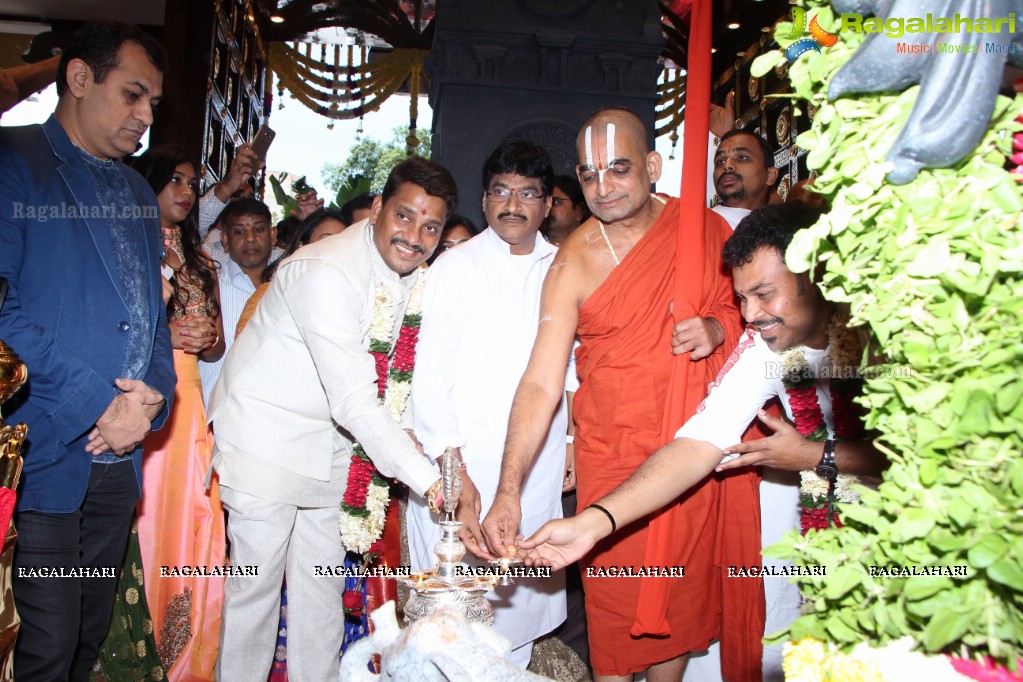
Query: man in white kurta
(480, 315)
(298, 388)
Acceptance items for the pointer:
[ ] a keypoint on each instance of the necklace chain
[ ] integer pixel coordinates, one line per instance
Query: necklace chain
(603, 233)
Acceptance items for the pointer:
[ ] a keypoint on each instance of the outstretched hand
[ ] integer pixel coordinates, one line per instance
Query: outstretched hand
(785, 449)
(557, 543)
(471, 533)
(502, 523)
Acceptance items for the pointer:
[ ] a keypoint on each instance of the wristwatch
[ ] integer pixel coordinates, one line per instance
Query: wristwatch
(826, 468)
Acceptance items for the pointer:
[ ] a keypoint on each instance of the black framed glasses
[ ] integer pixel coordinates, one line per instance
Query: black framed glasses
(526, 196)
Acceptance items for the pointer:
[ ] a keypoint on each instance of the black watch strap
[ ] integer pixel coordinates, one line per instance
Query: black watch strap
(826, 468)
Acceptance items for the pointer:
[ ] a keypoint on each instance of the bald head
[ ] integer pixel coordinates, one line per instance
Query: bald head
(616, 166)
(624, 121)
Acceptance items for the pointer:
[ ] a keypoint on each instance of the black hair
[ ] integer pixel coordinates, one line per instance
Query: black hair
(765, 148)
(363, 201)
(243, 206)
(98, 44)
(157, 166)
(286, 229)
(770, 226)
(456, 219)
(435, 180)
(300, 237)
(308, 226)
(521, 158)
(570, 186)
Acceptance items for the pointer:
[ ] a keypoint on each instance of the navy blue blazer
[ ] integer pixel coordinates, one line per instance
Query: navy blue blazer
(65, 313)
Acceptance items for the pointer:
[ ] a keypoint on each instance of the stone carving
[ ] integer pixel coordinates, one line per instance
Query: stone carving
(555, 137)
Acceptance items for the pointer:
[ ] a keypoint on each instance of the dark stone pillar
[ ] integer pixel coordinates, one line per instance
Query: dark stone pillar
(535, 69)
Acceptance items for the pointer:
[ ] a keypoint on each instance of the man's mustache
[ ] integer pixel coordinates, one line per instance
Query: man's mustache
(416, 247)
(506, 214)
(760, 324)
(728, 175)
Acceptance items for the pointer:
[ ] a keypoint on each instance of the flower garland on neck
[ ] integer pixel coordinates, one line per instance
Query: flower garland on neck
(818, 497)
(364, 505)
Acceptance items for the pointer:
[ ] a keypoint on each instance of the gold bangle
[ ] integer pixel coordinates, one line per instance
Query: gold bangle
(431, 496)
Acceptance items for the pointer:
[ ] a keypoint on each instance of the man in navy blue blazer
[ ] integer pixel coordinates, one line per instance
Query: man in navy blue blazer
(80, 246)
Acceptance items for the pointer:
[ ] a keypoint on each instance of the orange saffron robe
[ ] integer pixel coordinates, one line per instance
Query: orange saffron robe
(624, 363)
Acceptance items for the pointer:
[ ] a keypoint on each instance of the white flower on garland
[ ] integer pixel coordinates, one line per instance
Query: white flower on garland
(361, 529)
(844, 349)
(396, 397)
(382, 325)
(794, 367)
(844, 489)
(376, 505)
(813, 485)
(355, 531)
(415, 297)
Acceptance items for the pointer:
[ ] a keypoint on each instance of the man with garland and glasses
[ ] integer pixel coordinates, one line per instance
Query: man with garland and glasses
(797, 347)
(480, 314)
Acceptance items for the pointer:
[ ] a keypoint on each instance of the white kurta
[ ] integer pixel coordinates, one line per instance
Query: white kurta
(481, 308)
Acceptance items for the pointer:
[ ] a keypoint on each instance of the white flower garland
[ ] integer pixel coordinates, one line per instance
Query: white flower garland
(360, 531)
(845, 352)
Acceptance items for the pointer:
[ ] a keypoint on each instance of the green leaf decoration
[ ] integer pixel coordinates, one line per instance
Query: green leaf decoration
(934, 271)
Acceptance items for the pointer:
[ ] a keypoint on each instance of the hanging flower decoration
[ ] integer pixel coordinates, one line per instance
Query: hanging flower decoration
(339, 82)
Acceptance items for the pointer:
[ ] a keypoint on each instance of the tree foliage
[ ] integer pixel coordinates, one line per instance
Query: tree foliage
(374, 159)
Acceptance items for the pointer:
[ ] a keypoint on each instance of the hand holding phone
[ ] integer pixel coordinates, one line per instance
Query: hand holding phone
(261, 142)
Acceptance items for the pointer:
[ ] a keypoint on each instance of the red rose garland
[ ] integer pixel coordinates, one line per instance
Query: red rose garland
(818, 508)
(365, 500)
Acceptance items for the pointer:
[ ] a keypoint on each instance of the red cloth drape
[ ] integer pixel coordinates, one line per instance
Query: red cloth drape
(742, 600)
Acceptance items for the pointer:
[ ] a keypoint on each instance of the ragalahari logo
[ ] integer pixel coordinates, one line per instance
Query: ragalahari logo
(818, 36)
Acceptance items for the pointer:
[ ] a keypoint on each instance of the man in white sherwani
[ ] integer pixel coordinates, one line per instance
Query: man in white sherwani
(480, 315)
(298, 388)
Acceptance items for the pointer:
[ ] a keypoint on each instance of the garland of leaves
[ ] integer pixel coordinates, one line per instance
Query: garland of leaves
(935, 268)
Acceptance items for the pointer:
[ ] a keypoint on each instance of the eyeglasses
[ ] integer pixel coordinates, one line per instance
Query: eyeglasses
(526, 196)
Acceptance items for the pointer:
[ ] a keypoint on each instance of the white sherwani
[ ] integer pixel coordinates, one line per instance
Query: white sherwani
(480, 313)
(297, 387)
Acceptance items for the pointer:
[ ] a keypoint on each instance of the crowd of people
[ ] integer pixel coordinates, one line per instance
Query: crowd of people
(214, 412)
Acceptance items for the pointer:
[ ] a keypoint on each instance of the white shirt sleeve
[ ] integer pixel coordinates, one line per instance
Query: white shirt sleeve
(326, 307)
(209, 208)
(741, 388)
(440, 339)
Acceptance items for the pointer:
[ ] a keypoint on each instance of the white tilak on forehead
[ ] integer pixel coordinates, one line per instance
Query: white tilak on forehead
(610, 147)
(589, 147)
(610, 138)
